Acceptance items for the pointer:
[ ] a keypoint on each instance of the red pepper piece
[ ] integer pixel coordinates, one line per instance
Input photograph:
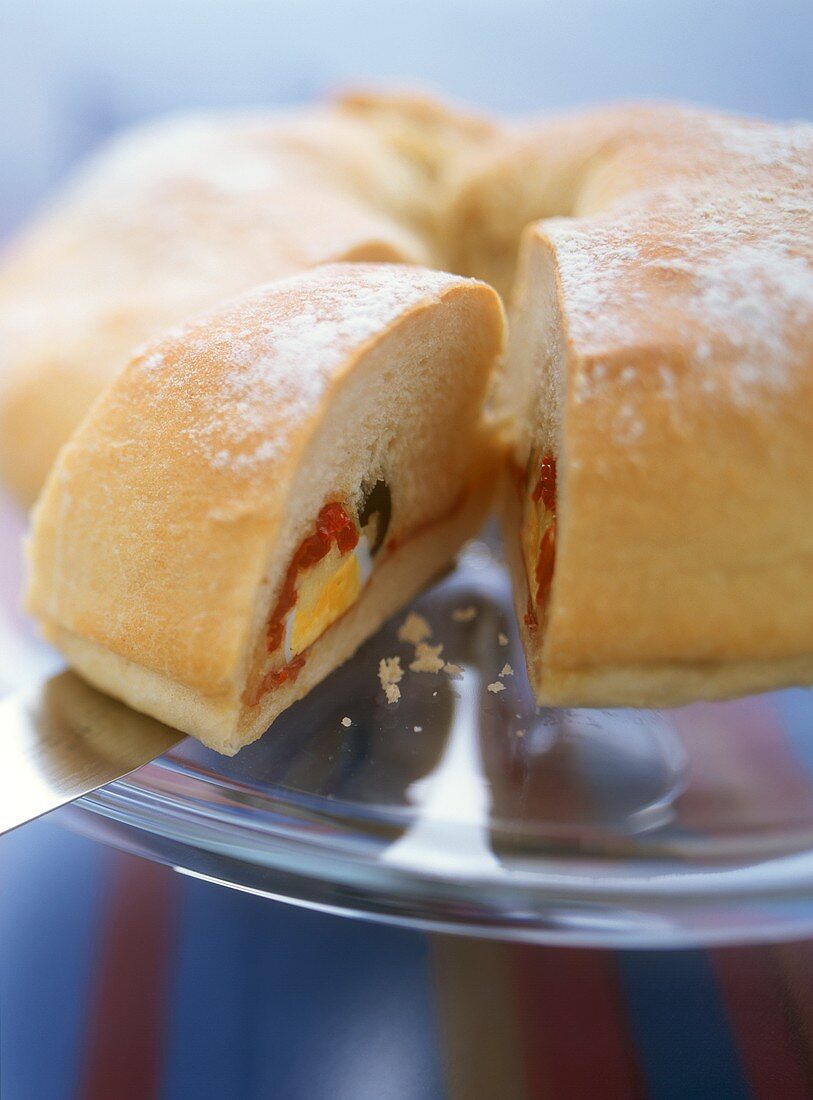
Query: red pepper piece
(546, 485)
(545, 563)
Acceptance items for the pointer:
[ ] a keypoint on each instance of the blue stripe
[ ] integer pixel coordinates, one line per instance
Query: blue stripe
(684, 1044)
(206, 1041)
(51, 905)
(269, 1000)
(795, 711)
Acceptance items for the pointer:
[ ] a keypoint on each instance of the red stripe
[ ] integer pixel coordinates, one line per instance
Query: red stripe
(751, 984)
(742, 769)
(126, 1019)
(573, 1025)
(795, 961)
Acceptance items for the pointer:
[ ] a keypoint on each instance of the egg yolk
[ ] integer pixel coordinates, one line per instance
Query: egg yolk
(324, 579)
(324, 593)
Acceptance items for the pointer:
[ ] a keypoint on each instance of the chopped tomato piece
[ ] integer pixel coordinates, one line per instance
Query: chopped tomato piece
(544, 564)
(546, 485)
(539, 527)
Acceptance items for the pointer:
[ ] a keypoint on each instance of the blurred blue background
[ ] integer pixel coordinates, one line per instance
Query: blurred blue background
(72, 71)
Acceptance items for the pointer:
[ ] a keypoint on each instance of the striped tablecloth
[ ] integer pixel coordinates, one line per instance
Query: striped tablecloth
(121, 980)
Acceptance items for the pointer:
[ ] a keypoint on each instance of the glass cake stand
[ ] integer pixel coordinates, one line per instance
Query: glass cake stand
(462, 809)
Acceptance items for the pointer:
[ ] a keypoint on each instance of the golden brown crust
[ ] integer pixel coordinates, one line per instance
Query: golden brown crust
(176, 216)
(438, 137)
(583, 163)
(165, 529)
(669, 335)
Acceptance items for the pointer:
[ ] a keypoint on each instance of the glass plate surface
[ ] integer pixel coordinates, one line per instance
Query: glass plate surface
(463, 809)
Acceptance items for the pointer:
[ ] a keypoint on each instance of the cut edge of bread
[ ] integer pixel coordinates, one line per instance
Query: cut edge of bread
(213, 719)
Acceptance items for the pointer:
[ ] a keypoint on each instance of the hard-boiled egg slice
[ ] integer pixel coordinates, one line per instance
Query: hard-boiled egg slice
(324, 592)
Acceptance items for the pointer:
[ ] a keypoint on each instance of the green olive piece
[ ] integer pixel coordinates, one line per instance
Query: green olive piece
(377, 502)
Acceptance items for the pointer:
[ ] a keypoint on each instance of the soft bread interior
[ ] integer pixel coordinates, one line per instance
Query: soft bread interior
(529, 388)
(529, 394)
(409, 414)
(408, 410)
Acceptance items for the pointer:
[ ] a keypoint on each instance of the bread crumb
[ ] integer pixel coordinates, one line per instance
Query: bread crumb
(414, 629)
(434, 693)
(464, 614)
(389, 673)
(496, 687)
(418, 729)
(502, 638)
(507, 670)
(455, 671)
(346, 722)
(427, 658)
(520, 733)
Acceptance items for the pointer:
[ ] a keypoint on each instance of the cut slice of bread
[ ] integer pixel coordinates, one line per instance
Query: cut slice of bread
(169, 527)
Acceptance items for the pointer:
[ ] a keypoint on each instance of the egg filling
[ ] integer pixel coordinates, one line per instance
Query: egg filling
(324, 579)
(324, 592)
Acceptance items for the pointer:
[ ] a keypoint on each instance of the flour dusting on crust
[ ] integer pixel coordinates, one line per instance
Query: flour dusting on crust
(278, 347)
(761, 145)
(708, 281)
(701, 266)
